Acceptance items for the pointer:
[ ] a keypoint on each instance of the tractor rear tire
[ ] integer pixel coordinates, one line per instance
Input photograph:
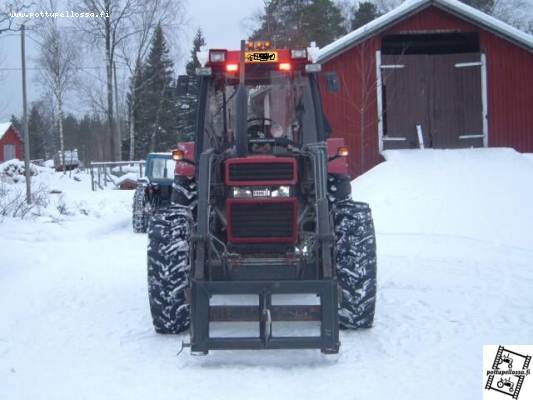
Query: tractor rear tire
(169, 268)
(139, 217)
(356, 263)
(184, 191)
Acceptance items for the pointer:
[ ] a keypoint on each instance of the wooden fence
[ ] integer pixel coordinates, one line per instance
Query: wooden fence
(102, 171)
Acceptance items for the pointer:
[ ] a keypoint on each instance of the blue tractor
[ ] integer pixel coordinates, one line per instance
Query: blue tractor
(153, 190)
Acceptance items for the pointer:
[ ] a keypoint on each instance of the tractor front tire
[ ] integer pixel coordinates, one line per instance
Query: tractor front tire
(169, 268)
(139, 217)
(356, 263)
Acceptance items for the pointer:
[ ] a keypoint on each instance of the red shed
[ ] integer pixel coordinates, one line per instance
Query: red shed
(432, 73)
(11, 144)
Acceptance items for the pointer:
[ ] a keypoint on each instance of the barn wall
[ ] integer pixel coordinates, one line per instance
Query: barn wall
(11, 138)
(352, 112)
(431, 19)
(510, 93)
(509, 76)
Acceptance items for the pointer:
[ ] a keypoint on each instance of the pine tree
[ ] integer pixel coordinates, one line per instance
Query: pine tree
(295, 23)
(363, 14)
(187, 103)
(136, 103)
(16, 123)
(322, 22)
(156, 112)
(71, 129)
(37, 133)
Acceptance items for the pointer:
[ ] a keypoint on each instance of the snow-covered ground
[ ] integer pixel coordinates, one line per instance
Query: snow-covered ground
(455, 272)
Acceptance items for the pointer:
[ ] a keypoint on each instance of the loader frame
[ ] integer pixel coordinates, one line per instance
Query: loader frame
(202, 313)
(263, 282)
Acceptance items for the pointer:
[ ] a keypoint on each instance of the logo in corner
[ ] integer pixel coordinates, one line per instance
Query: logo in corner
(507, 372)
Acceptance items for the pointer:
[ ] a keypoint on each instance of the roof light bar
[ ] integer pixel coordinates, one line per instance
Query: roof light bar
(258, 45)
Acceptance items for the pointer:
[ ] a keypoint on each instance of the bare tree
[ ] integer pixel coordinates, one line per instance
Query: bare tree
(8, 22)
(346, 8)
(110, 31)
(518, 13)
(57, 61)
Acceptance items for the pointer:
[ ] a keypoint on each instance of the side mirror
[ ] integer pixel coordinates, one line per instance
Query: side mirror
(183, 85)
(332, 82)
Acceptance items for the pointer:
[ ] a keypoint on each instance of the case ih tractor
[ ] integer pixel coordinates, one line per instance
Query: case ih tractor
(261, 210)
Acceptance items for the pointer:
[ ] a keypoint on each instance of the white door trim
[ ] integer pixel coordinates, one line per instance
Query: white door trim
(379, 101)
(484, 103)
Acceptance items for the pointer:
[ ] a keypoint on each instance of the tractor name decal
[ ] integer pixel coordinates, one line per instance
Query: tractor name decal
(261, 56)
(509, 370)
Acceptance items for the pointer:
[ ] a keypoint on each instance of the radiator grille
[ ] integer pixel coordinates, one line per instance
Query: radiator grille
(262, 220)
(261, 171)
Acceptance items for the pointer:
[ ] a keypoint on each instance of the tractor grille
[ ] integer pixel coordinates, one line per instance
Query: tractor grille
(260, 172)
(262, 221)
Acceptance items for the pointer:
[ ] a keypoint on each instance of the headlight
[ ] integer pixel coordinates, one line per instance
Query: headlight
(282, 191)
(241, 192)
(248, 192)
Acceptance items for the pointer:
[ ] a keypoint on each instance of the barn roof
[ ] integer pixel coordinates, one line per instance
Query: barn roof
(411, 7)
(4, 127)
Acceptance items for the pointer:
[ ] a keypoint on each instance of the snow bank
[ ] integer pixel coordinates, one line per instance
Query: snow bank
(56, 196)
(76, 320)
(483, 194)
(14, 170)
(126, 169)
(128, 176)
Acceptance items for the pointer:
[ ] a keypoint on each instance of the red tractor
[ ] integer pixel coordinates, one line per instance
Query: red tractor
(261, 206)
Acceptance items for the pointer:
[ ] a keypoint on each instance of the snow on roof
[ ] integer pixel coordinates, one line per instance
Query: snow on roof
(411, 6)
(4, 126)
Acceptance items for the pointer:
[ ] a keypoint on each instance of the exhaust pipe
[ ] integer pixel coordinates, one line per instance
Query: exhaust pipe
(241, 99)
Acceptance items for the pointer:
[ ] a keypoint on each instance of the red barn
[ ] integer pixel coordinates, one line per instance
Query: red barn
(11, 144)
(432, 73)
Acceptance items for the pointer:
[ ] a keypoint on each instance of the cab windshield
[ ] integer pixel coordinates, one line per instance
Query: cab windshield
(280, 106)
(162, 168)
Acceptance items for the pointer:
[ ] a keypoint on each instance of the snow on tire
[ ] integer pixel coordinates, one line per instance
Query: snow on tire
(139, 217)
(169, 268)
(356, 263)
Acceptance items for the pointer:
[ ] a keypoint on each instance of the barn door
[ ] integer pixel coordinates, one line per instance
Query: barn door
(9, 152)
(405, 96)
(441, 93)
(456, 103)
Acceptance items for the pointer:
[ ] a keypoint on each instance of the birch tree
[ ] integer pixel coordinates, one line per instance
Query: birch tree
(57, 60)
(108, 33)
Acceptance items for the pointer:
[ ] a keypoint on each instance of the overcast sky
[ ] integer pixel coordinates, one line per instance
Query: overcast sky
(223, 22)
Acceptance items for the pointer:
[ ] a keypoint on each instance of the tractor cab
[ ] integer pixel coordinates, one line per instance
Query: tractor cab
(273, 103)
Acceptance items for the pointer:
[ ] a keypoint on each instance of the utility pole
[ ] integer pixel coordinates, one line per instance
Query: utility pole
(119, 131)
(25, 113)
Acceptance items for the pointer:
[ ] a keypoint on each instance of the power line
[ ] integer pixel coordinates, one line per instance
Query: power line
(40, 68)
